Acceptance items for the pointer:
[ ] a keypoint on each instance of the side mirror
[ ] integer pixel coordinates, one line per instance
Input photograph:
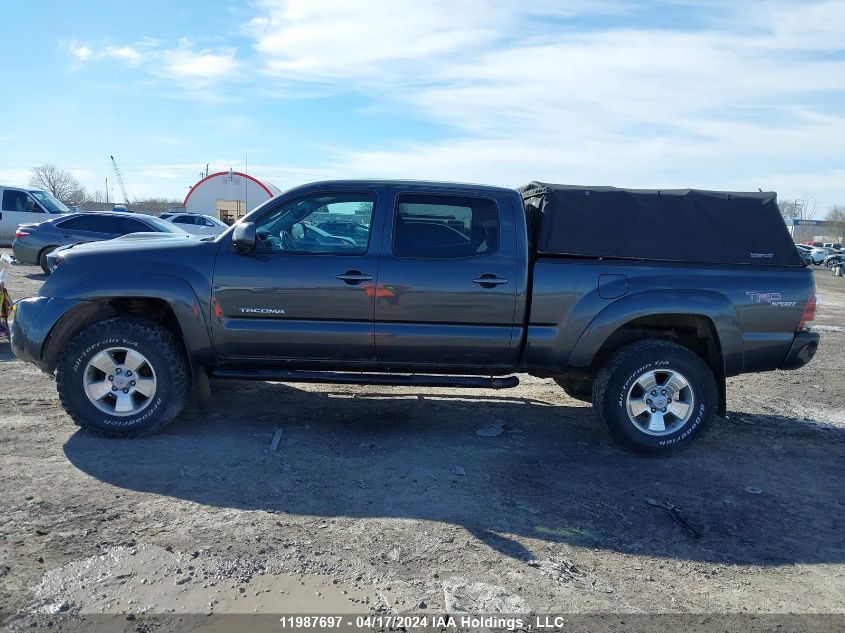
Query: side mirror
(243, 237)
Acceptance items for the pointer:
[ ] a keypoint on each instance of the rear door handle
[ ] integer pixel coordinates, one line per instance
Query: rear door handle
(489, 281)
(353, 277)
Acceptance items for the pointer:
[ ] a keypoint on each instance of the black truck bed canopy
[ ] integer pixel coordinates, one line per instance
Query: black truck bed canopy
(684, 225)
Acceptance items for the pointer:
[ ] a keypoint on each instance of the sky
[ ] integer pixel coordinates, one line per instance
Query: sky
(667, 94)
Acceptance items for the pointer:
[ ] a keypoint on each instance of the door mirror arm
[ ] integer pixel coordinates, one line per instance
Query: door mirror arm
(243, 237)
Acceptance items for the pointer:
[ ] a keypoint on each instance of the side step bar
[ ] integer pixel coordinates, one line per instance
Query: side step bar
(339, 378)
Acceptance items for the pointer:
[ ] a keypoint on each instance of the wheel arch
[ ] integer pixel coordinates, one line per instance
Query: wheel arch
(165, 300)
(704, 322)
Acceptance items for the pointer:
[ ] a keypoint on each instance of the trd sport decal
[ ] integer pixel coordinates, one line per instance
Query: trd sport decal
(772, 298)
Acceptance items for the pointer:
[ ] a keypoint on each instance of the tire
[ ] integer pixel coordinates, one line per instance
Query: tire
(163, 379)
(577, 389)
(42, 259)
(618, 394)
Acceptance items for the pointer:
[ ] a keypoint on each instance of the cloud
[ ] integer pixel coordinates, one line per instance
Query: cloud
(194, 69)
(669, 93)
(345, 40)
(733, 93)
(204, 66)
(127, 54)
(82, 53)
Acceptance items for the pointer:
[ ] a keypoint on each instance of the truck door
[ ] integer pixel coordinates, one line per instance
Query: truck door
(446, 290)
(303, 293)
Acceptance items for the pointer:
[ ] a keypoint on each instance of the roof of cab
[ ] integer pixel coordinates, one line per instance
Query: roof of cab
(408, 184)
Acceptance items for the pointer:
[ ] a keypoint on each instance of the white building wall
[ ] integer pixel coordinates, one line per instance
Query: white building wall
(227, 186)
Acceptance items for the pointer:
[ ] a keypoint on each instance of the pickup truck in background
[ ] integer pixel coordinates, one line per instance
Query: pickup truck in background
(442, 285)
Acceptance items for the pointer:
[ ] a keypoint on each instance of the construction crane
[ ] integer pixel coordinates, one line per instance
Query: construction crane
(120, 180)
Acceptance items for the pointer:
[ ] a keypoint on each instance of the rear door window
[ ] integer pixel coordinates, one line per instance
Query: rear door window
(89, 223)
(124, 226)
(435, 226)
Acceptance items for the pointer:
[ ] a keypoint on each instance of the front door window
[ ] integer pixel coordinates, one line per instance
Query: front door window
(308, 225)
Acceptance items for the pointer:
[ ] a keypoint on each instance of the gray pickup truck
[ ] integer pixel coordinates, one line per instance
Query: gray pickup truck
(642, 302)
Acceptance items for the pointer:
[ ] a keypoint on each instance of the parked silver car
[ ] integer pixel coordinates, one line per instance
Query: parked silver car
(819, 253)
(196, 223)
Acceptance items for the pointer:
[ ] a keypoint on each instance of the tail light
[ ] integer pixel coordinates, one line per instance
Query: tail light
(21, 233)
(809, 313)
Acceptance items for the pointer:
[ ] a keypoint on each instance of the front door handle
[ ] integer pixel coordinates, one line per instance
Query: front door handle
(354, 277)
(489, 281)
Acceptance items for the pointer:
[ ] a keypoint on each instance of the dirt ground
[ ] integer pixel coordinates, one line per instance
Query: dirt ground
(389, 500)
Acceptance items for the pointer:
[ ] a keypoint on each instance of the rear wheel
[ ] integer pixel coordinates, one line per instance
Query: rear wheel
(42, 259)
(656, 397)
(124, 377)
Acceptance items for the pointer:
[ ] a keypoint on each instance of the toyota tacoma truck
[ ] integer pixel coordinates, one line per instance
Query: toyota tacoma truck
(640, 301)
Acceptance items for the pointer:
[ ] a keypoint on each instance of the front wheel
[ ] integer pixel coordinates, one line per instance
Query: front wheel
(123, 377)
(656, 397)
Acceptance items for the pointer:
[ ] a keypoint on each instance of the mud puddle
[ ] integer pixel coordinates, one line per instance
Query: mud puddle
(148, 579)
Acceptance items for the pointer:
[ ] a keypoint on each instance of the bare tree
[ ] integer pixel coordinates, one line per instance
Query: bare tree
(59, 182)
(155, 206)
(797, 209)
(836, 220)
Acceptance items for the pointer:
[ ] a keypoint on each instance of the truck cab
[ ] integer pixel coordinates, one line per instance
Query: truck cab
(20, 205)
(435, 282)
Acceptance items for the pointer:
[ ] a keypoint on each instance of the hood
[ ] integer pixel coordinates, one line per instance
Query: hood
(132, 242)
(186, 256)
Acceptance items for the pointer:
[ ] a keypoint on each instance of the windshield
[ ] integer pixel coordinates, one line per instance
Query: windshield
(163, 226)
(49, 202)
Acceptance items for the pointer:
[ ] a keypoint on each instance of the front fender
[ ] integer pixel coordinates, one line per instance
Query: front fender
(712, 305)
(178, 293)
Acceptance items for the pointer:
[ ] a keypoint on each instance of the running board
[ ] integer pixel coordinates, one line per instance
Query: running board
(338, 378)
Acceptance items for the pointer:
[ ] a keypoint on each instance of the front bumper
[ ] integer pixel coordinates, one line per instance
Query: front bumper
(33, 321)
(802, 350)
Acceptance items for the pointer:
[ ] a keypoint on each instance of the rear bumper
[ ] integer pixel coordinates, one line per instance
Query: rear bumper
(802, 350)
(25, 253)
(33, 321)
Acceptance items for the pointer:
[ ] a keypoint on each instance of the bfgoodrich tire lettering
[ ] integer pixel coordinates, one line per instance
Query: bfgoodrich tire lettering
(614, 386)
(164, 356)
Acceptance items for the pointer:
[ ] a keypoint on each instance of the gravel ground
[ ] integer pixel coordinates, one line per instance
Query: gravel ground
(386, 500)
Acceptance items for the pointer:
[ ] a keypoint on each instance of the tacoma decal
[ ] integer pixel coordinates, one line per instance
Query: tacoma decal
(262, 311)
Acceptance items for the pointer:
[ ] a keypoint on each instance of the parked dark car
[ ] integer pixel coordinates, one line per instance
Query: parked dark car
(33, 242)
(457, 286)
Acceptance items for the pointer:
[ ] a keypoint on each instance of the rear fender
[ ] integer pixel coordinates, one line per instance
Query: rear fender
(714, 306)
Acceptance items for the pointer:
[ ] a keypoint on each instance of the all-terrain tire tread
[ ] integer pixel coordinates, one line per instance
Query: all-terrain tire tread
(641, 349)
(166, 344)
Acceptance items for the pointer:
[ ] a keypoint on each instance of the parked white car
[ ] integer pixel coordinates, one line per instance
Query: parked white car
(196, 223)
(21, 205)
(819, 253)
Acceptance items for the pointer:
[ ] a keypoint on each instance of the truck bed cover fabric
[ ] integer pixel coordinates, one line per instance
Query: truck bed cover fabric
(683, 225)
